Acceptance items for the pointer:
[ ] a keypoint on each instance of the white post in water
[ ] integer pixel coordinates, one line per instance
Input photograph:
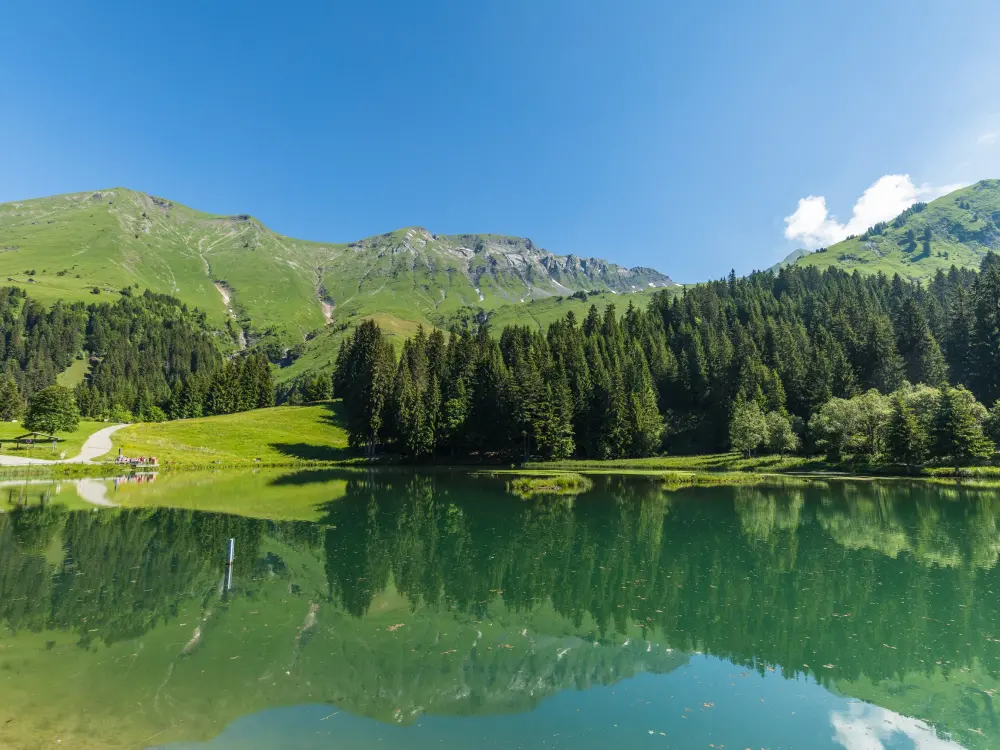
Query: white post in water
(230, 556)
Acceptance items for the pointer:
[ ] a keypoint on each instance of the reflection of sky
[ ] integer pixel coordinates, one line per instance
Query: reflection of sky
(866, 727)
(705, 702)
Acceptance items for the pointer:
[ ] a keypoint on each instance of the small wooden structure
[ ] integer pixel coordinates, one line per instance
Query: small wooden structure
(30, 439)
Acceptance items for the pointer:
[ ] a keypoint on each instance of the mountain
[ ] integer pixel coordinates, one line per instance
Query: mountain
(962, 226)
(84, 245)
(789, 259)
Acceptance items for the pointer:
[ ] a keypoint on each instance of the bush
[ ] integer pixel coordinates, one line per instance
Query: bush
(120, 414)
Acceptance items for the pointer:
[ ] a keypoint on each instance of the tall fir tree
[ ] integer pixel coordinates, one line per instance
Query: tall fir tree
(958, 433)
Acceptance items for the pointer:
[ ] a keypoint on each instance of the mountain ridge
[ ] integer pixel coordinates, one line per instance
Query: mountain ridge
(75, 245)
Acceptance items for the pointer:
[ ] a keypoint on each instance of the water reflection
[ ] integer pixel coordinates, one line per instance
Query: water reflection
(442, 594)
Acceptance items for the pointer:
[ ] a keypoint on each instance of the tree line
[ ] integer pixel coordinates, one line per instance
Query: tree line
(149, 358)
(674, 375)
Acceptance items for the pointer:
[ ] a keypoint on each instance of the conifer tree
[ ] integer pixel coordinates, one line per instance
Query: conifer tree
(907, 440)
(986, 331)
(11, 405)
(922, 358)
(644, 421)
(958, 431)
(880, 360)
(366, 381)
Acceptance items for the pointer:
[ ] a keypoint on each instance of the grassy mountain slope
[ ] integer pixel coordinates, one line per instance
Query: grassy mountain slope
(963, 224)
(65, 247)
(321, 351)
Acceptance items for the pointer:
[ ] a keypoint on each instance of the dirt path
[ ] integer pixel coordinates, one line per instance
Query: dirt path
(96, 445)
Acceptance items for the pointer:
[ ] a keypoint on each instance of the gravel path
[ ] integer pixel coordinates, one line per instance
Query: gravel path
(96, 445)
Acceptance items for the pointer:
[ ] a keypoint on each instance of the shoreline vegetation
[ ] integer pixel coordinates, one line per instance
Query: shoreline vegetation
(314, 436)
(537, 477)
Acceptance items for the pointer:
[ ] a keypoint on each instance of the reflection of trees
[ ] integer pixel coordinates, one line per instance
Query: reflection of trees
(25, 578)
(878, 579)
(120, 572)
(771, 519)
(468, 545)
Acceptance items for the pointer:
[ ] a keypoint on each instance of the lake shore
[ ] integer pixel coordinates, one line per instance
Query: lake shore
(314, 436)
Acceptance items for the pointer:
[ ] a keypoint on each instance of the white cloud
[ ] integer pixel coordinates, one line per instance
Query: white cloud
(814, 226)
(867, 727)
(988, 138)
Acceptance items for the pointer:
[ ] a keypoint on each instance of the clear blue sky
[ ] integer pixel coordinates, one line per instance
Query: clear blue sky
(653, 133)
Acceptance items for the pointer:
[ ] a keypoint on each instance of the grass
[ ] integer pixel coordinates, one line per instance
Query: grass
(673, 480)
(70, 443)
(282, 435)
(713, 462)
(734, 468)
(73, 375)
(549, 484)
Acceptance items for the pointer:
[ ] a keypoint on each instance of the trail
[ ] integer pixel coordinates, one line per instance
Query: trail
(96, 445)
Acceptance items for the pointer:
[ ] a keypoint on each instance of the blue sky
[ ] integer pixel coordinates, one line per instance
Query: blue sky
(678, 136)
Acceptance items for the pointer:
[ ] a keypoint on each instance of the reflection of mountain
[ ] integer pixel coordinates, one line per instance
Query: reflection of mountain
(441, 594)
(132, 614)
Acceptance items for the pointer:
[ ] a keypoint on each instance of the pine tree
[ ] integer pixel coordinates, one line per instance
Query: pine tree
(922, 358)
(959, 350)
(986, 331)
(319, 387)
(11, 405)
(488, 426)
(958, 432)
(454, 412)
(645, 424)
(907, 440)
(366, 380)
(883, 367)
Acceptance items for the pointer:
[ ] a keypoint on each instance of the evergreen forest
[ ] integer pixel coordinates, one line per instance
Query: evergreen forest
(692, 372)
(149, 358)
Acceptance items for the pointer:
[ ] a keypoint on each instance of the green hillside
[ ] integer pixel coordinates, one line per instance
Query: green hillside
(320, 352)
(963, 228)
(84, 245)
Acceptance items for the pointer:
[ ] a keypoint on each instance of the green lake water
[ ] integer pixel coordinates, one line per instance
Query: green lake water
(438, 610)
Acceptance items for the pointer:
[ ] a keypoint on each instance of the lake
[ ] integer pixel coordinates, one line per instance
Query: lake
(394, 608)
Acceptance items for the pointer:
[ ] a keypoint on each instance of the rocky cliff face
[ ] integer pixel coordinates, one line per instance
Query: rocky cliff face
(516, 266)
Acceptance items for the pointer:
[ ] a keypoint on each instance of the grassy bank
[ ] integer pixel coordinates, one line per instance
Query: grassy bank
(283, 435)
(722, 462)
(731, 465)
(549, 484)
